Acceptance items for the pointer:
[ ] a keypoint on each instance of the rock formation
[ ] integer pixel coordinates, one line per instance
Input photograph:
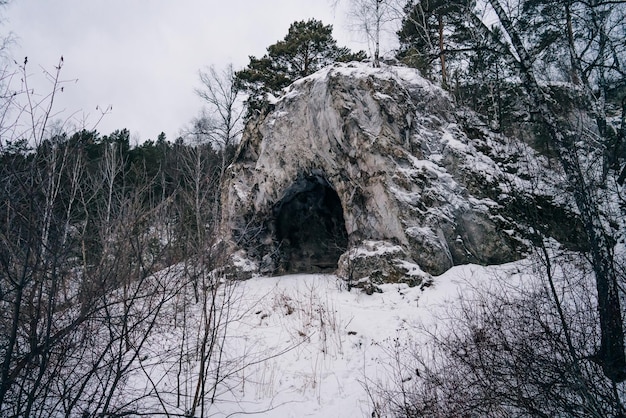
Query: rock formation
(369, 172)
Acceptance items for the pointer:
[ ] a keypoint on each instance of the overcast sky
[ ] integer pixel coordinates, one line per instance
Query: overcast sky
(142, 57)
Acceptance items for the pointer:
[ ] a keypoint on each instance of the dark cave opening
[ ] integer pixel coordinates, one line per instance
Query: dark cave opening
(310, 227)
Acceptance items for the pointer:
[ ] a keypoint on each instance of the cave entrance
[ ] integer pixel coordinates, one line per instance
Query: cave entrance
(310, 227)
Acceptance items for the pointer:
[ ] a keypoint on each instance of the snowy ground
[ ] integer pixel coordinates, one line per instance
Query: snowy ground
(302, 345)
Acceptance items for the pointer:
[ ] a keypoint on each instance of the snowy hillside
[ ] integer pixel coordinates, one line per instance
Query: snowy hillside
(300, 345)
(307, 344)
(434, 231)
(95, 332)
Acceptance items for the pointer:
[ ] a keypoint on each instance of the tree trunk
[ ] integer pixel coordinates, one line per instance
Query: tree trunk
(442, 57)
(576, 72)
(377, 35)
(621, 146)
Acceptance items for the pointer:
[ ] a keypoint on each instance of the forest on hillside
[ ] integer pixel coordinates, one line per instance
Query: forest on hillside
(87, 219)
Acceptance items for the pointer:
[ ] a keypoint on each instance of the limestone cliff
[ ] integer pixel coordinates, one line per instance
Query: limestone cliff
(371, 172)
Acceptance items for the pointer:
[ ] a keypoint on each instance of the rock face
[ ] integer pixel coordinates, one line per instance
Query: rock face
(368, 172)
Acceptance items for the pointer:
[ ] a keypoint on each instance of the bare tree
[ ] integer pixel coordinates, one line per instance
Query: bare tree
(83, 281)
(520, 343)
(611, 353)
(372, 19)
(56, 292)
(32, 244)
(223, 121)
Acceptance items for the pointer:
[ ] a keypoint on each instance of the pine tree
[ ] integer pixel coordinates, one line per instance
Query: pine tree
(431, 32)
(307, 47)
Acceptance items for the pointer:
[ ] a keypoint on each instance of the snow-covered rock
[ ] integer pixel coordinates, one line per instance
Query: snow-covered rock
(364, 157)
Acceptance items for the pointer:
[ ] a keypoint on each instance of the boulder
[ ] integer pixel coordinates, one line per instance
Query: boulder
(367, 172)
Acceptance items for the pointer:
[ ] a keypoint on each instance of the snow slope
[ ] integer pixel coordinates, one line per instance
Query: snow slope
(303, 345)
